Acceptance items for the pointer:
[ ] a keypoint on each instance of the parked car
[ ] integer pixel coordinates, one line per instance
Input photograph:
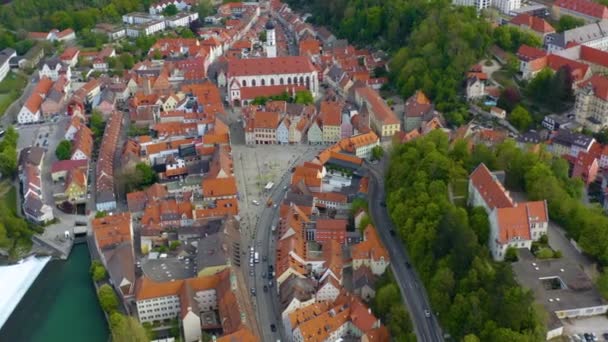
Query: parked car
(265, 288)
(273, 328)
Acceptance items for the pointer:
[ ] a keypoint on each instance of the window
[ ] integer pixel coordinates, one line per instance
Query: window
(253, 82)
(244, 83)
(263, 82)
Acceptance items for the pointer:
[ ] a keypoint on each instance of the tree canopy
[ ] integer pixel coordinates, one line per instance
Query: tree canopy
(170, 10)
(107, 298)
(63, 150)
(474, 296)
(8, 153)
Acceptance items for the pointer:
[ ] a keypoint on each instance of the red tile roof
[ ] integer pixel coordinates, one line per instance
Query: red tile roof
(266, 120)
(599, 84)
(490, 189)
(379, 108)
(515, 221)
(594, 56)
(269, 66)
(534, 23)
(112, 230)
(578, 70)
(586, 7)
(219, 187)
(330, 113)
(528, 53)
(35, 100)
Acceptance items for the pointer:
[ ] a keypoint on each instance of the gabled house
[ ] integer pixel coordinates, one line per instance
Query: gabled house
(586, 167)
(370, 252)
(315, 133)
(283, 131)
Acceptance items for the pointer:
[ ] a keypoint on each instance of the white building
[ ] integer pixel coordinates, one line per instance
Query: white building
(159, 7)
(5, 57)
(53, 68)
(511, 224)
(30, 112)
(478, 4)
(271, 43)
(181, 19)
(506, 6)
(146, 29)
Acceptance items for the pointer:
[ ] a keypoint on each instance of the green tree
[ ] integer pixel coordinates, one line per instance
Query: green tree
(97, 123)
(568, 22)
(98, 272)
(377, 152)
(204, 8)
(8, 162)
(520, 118)
(127, 329)
(127, 60)
(170, 10)
(146, 174)
(174, 244)
(262, 36)
(101, 213)
(602, 284)
(304, 97)
(544, 253)
(107, 298)
(64, 150)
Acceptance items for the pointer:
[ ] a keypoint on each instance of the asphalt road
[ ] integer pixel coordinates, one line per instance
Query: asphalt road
(267, 303)
(412, 289)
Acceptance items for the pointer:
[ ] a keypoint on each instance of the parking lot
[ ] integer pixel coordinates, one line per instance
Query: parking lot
(576, 328)
(168, 269)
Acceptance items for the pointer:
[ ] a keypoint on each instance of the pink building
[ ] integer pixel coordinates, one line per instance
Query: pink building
(586, 167)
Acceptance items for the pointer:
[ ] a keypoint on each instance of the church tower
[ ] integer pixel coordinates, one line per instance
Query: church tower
(271, 43)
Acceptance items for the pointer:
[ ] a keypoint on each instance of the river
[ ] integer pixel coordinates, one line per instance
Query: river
(60, 306)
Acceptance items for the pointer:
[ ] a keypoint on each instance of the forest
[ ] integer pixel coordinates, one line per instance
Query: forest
(432, 44)
(475, 296)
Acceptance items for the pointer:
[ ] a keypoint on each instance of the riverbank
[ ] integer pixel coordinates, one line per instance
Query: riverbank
(60, 306)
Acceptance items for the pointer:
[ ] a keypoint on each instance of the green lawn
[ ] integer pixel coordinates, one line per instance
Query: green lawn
(460, 187)
(10, 88)
(502, 77)
(12, 82)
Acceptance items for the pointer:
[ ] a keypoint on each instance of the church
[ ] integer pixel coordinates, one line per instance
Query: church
(247, 79)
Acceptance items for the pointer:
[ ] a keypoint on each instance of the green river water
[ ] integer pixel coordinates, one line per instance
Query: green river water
(60, 306)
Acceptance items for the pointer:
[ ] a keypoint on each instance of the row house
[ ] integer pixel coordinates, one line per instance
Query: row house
(70, 56)
(383, 119)
(330, 321)
(164, 214)
(105, 196)
(74, 175)
(565, 142)
(181, 5)
(54, 68)
(30, 165)
(330, 118)
(370, 252)
(512, 224)
(31, 111)
(54, 101)
(82, 144)
(189, 300)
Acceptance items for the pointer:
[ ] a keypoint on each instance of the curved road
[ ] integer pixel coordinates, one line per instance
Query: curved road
(412, 289)
(267, 303)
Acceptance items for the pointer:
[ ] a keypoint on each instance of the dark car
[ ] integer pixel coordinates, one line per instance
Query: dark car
(383, 204)
(392, 232)
(408, 265)
(265, 288)
(273, 328)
